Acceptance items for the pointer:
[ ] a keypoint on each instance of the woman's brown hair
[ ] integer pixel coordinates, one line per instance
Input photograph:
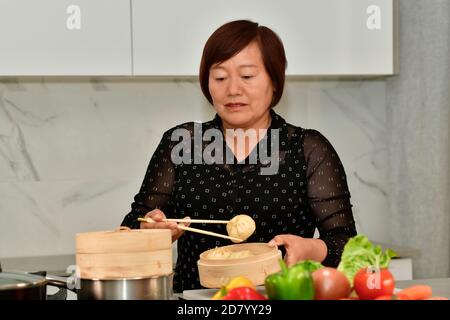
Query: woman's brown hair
(231, 38)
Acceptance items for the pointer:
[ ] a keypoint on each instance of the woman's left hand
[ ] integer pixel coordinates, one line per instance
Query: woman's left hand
(298, 248)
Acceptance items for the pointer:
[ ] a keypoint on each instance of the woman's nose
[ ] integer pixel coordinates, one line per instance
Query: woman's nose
(234, 86)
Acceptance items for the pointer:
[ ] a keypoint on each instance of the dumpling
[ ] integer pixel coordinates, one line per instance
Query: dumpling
(241, 226)
(225, 253)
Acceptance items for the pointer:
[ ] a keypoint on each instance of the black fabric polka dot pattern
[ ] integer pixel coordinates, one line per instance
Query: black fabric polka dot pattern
(309, 191)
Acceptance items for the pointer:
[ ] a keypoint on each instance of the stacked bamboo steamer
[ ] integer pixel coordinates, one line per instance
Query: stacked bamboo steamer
(214, 273)
(123, 254)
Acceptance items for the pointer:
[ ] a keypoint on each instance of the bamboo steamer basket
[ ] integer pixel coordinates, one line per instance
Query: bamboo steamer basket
(124, 253)
(214, 273)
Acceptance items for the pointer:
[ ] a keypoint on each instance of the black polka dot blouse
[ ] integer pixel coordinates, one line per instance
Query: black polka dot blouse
(309, 191)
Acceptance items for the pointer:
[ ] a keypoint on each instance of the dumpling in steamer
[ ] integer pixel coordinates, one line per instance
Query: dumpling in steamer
(225, 253)
(241, 226)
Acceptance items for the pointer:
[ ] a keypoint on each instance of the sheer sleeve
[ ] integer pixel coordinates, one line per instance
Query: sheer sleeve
(328, 195)
(156, 189)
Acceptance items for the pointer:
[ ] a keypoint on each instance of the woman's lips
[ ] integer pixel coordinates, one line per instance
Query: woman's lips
(235, 106)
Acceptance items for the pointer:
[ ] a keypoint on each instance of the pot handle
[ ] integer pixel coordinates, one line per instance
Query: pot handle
(61, 282)
(61, 294)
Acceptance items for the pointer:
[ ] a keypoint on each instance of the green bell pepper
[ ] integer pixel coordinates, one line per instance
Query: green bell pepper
(294, 283)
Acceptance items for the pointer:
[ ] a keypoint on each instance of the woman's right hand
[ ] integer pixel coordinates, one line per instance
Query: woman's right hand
(157, 215)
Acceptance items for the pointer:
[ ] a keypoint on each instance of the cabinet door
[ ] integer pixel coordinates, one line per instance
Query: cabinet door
(321, 37)
(65, 37)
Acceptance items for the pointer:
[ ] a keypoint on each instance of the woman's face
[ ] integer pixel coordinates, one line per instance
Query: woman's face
(241, 89)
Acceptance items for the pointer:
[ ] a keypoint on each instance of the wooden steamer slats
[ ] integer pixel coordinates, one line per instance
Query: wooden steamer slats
(214, 273)
(124, 254)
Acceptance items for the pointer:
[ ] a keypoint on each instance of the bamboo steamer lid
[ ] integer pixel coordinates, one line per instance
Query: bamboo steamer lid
(123, 240)
(124, 253)
(214, 273)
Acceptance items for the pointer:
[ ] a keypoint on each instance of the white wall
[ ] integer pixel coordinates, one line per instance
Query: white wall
(73, 153)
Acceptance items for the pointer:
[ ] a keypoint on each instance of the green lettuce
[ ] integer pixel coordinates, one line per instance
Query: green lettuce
(310, 265)
(360, 253)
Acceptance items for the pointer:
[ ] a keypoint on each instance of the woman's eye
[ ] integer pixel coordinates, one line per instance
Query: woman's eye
(219, 79)
(247, 77)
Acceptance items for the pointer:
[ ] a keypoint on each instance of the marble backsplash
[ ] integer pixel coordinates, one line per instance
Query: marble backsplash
(73, 153)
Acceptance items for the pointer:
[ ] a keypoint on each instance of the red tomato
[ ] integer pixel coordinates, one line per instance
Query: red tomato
(370, 283)
(330, 284)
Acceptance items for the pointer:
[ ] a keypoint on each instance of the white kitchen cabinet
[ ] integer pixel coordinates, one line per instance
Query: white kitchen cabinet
(65, 37)
(166, 38)
(321, 37)
(401, 268)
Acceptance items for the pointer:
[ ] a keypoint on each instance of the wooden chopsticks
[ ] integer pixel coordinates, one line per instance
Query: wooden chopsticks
(190, 220)
(209, 233)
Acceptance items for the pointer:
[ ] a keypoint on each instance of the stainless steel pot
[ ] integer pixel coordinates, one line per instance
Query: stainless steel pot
(16, 285)
(154, 288)
(22, 286)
